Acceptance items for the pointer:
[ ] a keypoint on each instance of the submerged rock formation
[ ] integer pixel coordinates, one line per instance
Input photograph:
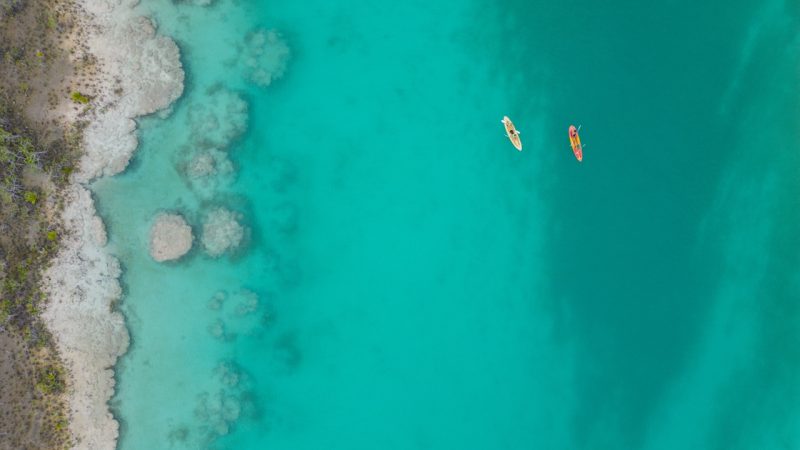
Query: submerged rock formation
(265, 56)
(206, 171)
(170, 237)
(230, 399)
(220, 118)
(221, 231)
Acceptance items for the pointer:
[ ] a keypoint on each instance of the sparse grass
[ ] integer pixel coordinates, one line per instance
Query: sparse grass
(52, 21)
(32, 397)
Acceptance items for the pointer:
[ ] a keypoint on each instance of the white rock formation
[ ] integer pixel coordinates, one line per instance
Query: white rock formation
(170, 237)
(144, 67)
(82, 284)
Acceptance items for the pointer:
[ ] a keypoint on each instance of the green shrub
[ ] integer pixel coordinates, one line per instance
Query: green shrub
(77, 97)
(5, 154)
(5, 310)
(30, 197)
(28, 152)
(51, 380)
(52, 235)
(31, 308)
(67, 171)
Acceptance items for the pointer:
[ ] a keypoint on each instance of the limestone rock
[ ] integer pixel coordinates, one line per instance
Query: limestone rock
(221, 231)
(170, 237)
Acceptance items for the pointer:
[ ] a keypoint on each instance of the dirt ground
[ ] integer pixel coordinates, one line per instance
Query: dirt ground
(36, 38)
(29, 419)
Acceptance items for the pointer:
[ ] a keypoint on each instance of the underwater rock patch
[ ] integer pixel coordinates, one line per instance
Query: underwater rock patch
(217, 301)
(178, 434)
(242, 313)
(284, 218)
(286, 351)
(228, 373)
(248, 303)
(281, 175)
(228, 402)
(206, 171)
(217, 330)
(265, 56)
(221, 117)
(219, 411)
(222, 231)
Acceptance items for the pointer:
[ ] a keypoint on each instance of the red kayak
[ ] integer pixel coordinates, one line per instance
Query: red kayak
(575, 142)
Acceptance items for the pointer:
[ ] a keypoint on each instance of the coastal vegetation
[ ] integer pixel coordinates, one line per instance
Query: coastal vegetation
(33, 374)
(51, 380)
(37, 154)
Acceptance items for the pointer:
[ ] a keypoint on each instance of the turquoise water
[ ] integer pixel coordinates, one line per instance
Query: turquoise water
(406, 279)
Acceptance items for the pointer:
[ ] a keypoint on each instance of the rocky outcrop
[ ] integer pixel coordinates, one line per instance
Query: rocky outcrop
(139, 72)
(170, 237)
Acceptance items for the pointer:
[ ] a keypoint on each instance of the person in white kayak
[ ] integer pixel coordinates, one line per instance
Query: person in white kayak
(513, 134)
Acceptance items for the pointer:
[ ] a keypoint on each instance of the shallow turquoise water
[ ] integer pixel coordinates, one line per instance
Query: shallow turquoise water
(409, 280)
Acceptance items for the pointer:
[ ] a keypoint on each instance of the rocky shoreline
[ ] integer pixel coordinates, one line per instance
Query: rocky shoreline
(135, 72)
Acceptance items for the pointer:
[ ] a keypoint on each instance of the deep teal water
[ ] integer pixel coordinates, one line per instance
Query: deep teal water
(408, 280)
